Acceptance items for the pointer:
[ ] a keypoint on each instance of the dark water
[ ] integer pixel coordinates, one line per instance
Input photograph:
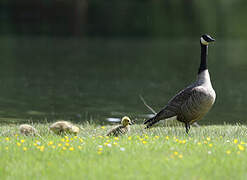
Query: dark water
(77, 79)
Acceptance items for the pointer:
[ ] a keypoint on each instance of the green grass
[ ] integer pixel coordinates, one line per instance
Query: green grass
(208, 152)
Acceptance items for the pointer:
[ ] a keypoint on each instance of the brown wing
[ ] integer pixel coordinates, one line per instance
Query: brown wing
(196, 106)
(173, 106)
(117, 131)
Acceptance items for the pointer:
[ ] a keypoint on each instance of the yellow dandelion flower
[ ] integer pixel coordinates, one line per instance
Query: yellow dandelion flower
(184, 141)
(180, 156)
(175, 153)
(221, 137)
(22, 141)
(115, 143)
(71, 149)
(50, 143)
(6, 148)
(18, 144)
(144, 142)
(7, 139)
(108, 140)
(116, 138)
(53, 147)
(228, 152)
(180, 141)
(80, 139)
(210, 145)
(141, 139)
(242, 142)
(107, 137)
(59, 145)
(42, 148)
(66, 144)
(16, 135)
(240, 147)
(62, 139)
(79, 147)
(199, 143)
(205, 142)
(167, 137)
(71, 139)
(101, 137)
(156, 137)
(174, 137)
(238, 152)
(24, 148)
(129, 138)
(102, 127)
(100, 149)
(64, 148)
(34, 144)
(75, 137)
(105, 144)
(66, 137)
(235, 141)
(67, 140)
(208, 138)
(99, 152)
(176, 140)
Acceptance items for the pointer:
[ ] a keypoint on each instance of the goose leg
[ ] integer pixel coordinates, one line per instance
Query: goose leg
(187, 126)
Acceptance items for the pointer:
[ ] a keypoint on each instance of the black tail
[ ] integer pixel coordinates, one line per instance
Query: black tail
(150, 122)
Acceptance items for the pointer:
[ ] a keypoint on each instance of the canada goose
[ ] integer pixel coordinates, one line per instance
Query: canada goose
(60, 127)
(27, 129)
(193, 102)
(121, 129)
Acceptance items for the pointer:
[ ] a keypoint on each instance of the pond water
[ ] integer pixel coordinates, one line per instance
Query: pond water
(81, 79)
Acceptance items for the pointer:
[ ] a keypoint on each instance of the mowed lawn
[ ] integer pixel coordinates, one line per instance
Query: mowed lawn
(208, 152)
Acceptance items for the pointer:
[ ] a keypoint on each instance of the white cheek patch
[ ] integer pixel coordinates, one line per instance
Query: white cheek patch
(204, 42)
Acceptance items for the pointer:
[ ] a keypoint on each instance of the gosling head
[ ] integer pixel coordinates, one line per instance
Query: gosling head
(126, 121)
(206, 39)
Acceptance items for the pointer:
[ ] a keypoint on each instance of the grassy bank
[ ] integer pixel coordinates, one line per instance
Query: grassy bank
(210, 152)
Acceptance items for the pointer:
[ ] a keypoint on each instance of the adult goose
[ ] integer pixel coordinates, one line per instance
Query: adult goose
(193, 102)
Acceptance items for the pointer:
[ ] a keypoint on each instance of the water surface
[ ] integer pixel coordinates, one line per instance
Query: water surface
(48, 78)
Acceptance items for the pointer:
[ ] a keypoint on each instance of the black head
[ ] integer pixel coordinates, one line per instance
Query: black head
(206, 39)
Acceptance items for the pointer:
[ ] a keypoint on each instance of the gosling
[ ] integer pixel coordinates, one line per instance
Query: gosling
(61, 127)
(27, 130)
(124, 128)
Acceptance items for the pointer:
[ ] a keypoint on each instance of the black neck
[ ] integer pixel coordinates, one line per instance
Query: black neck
(204, 53)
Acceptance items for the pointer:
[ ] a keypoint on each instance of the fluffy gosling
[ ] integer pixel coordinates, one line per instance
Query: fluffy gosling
(27, 130)
(61, 127)
(121, 129)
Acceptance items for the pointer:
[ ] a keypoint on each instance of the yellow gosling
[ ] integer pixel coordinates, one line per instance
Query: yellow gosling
(61, 127)
(27, 130)
(121, 129)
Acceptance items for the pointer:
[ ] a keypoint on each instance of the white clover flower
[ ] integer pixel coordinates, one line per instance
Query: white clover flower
(38, 143)
(109, 145)
(100, 146)
(209, 152)
(122, 149)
